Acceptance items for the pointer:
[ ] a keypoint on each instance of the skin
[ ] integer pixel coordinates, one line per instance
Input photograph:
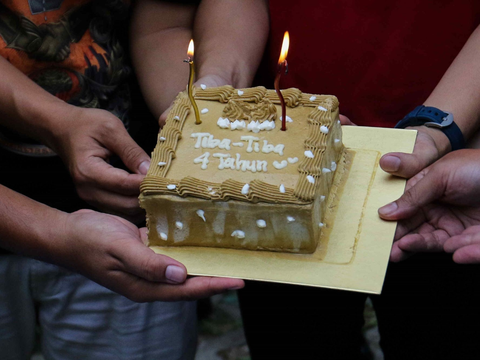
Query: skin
(85, 139)
(440, 210)
(105, 248)
(457, 93)
(88, 243)
(223, 31)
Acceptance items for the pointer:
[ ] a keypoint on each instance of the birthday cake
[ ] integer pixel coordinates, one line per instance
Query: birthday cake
(237, 180)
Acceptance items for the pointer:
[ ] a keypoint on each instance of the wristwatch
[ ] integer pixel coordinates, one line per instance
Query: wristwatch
(435, 118)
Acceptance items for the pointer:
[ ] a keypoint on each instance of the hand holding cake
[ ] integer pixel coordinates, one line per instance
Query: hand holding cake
(440, 209)
(86, 142)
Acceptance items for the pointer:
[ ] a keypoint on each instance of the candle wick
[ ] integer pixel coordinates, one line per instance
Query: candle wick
(286, 66)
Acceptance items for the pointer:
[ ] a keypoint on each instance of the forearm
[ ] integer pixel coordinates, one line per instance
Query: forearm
(457, 91)
(229, 41)
(27, 108)
(159, 36)
(231, 37)
(28, 227)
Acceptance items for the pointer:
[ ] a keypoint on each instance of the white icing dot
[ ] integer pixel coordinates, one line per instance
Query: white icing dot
(240, 92)
(224, 123)
(201, 214)
(176, 118)
(326, 170)
(338, 122)
(163, 236)
(162, 138)
(179, 225)
(239, 234)
(322, 108)
(203, 86)
(321, 225)
(322, 198)
(245, 189)
(161, 163)
(290, 219)
(311, 179)
(282, 189)
(289, 119)
(324, 129)
(334, 166)
(237, 124)
(313, 98)
(309, 154)
(171, 187)
(292, 160)
(280, 165)
(337, 141)
(261, 223)
(256, 126)
(204, 111)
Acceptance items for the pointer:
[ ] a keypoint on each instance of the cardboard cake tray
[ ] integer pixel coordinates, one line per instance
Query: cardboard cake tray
(355, 245)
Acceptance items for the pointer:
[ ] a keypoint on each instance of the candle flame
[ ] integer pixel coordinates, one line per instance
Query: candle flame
(285, 45)
(190, 48)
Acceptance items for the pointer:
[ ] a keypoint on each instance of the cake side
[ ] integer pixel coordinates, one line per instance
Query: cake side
(253, 176)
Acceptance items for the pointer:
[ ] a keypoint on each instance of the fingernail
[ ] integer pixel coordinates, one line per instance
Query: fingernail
(143, 168)
(388, 209)
(391, 163)
(175, 274)
(238, 287)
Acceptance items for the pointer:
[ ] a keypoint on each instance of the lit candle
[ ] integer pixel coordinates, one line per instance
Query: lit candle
(282, 62)
(190, 81)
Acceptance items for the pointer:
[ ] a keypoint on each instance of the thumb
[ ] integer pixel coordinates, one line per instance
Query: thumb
(407, 165)
(143, 262)
(129, 152)
(428, 189)
(404, 165)
(345, 120)
(163, 118)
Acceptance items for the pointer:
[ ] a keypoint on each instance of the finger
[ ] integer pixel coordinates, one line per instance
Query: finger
(144, 235)
(408, 225)
(98, 173)
(345, 120)
(199, 287)
(163, 118)
(397, 254)
(467, 255)
(414, 180)
(407, 165)
(113, 203)
(141, 261)
(426, 242)
(424, 192)
(129, 152)
(469, 236)
(194, 288)
(404, 165)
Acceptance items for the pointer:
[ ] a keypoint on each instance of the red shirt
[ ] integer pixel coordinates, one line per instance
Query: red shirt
(380, 58)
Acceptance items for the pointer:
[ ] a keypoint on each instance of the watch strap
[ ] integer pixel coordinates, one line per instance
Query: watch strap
(436, 118)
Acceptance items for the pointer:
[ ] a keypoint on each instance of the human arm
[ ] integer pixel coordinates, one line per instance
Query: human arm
(229, 41)
(104, 248)
(441, 203)
(85, 139)
(457, 92)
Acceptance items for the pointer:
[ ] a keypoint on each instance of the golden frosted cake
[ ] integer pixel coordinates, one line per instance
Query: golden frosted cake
(236, 180)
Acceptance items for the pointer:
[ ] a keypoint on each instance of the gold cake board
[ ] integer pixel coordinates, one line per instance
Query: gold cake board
(353, 253)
